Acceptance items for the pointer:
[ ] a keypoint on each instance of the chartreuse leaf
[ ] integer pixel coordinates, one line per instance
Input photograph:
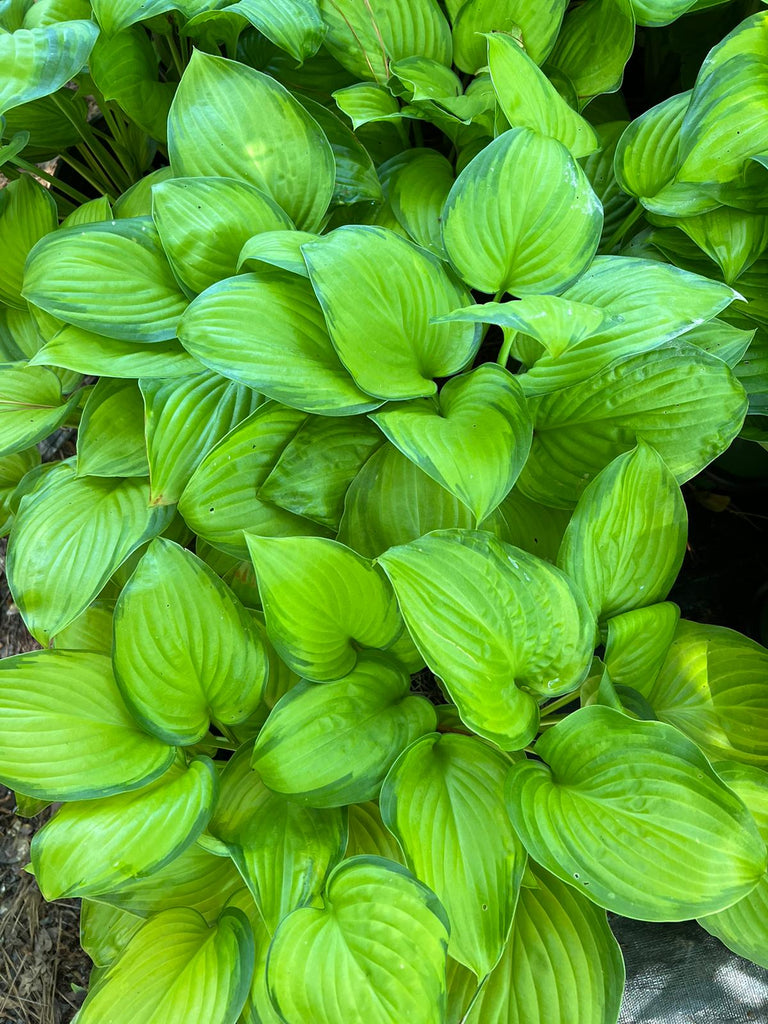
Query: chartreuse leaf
(365, 103)
(90, 847)
(36, 62)
(284, 152)
(331, 744)
(682, 401)
(390, 348)
(177, 966)
(626, 539)
(275, 249)
(293, 25)
(369, 835)
(27, 214)
(203, 224)
(114, 15)
(206, 662)
(561, 958)
(417, 193)
(529, 100)
(538, 22)
(521, 217)
(375, 950)
(110, 439)
(744, 926)
(68, 539)
(711, 687)
(453, 786)
(356, 178)
(112, 278)
(86, 352)
(473, 440)
(184, 420)
(637, 644)
(732, 238)
(90, 631)
(31, 406)
(322, 602)
(594, 45)
(65, 733)
(137, 201)
(365, 38)
(634, 811)
(423, 79)
(12, 470)
(501, 607)
(105, 931)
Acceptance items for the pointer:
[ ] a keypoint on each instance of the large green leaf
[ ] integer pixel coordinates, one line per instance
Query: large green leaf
(633, 812)
(637, 643)
(331, 744)
(283, 152)
(68, 539)
(538, 22)
(31, 406)
(65, 733)
(86, 352)
(522, 217)
(186, 651)
(594, 45)
(390, 348)
(36, 62)
(322, 603)
(626, 539)
(112, 278)
(374, 952)
(502, 608)
(110, 438)
(473, 440)
(176, 967)
(27, 214)
(454, 786)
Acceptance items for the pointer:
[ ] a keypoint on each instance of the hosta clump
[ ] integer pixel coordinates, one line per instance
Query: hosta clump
(390, 340)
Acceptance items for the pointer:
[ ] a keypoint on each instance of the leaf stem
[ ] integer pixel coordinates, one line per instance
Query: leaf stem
(473, 1000)
(62, 186)
(561, 702)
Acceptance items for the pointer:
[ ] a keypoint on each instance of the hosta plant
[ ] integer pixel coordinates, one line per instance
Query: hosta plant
(391, 333)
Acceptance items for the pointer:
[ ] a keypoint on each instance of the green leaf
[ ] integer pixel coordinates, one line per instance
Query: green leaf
(626, 539)
(206, 663)
(561, 954)
(110, 439)
(539, 23)
(368, 835)
(31, 406)
(594, 45)
(247, 327)
(275, 249)
(175, 966)
(682, 401)
(90, 631)
(364, 103)
(68, 539)
(111, 278)
(657, 13)
(391, 349)
(92, 212)
(331, 744)
(417, 193)
(501, 607)
(731, 238)
(203, 224)
(454, 786)
(284, 153)
(534, 528)
(646, 154)
(634, 811)
(65, 733)
(86, 352)
(424, 79)
(27, 214)
(12, 470)
(90, 847)
(375, 951)
(36, 62)
(322, 603)
(105, 931)
(521, 217)
(114, 15)
(356, 178)
(473, 440)
(293, 25)
(637, 644)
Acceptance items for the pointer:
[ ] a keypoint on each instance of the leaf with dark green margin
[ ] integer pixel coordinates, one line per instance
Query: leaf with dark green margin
(65, 733)
(331, 744)
(627, 537)
(417, 193)
(90, 631)
(284, 152)
(275, 249)
(110, 438)
(105, 931)
(68, 539)
(454, 786)
(86, 352)
(375, 950)
(368, 835)
(356, 178)
(501, 607)
(186, 651)
(473, 440)
(634, 811)
(293, 25)
(561, 954)
(637, 644)
(594, 45)
(112, 278)
(391, 349)
(322, 603)
(521, 217)
(31, 406)
(36, 62)
(12, 469)
(538, 21)
(27, 214)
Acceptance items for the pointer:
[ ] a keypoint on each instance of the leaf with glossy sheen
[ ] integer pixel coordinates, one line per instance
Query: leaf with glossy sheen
(12, 470)
(634, 811)
(293, 25)
(375, 951)
(594, 45)
(110, 438)
(112, 278)
(417, 193)
(561, 959)
(186, 650)
(390, 347)
(322, 603)
(68, 539)
(369, 835)
(356, 178)
(538, 21)
(521, 217)
(502, 608)
(65, 733)
(637, 644)
(105, 931)
(282, 152)
(454, 786)
(626, 539)
(36, 62)
(31, 406)
(176, 966)
(331, 744)
(473, 441)
(27, 214)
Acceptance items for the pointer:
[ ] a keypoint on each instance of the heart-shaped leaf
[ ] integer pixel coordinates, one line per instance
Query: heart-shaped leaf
(36, 62)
